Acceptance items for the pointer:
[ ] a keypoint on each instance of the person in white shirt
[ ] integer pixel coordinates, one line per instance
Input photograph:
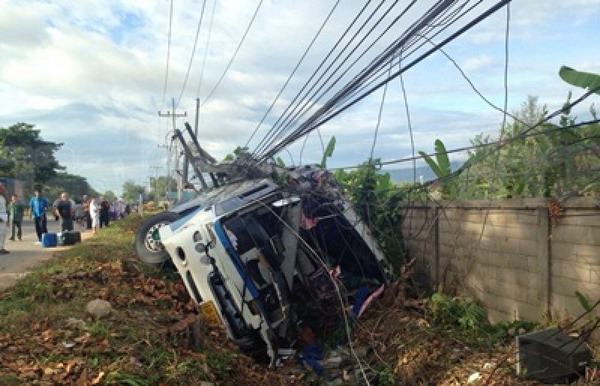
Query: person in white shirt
(3, 219)
(95, 214)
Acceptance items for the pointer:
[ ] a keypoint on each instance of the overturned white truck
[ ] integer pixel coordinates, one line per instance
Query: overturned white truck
(260, 257)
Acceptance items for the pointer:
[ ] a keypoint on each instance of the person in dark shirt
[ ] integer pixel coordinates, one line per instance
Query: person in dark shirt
(104, 212)
(64, 207)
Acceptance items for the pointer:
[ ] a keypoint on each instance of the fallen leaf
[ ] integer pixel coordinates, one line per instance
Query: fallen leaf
(83, 338)
(98, 379)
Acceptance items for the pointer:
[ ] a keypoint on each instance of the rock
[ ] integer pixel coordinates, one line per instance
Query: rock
(98, 308)
(474, 378)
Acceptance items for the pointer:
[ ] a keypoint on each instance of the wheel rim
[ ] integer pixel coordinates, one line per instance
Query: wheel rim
(152, 239)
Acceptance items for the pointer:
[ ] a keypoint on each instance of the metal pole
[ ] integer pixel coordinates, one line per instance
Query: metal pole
(177, 176)
(176, 151)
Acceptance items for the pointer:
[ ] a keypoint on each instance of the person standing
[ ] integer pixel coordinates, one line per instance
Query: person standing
(79, 213)
(64, 207)
(3, 219)
(15, 214)
(86, 212)
(94, 214)
(38, 205)
(104, 212)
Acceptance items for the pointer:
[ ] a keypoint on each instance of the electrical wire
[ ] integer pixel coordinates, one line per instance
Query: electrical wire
(429, 15)
(187, 74)
(379, 114)
(237, 49)
(313, 99)
(482, 145)
(313, 121)
(372, 78)
(312, 42)
(210, 24)
(168, 56)
(409, 125)
(299, 96)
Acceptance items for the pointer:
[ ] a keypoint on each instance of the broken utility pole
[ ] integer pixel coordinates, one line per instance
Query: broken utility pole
(187, 160)
(178, 176)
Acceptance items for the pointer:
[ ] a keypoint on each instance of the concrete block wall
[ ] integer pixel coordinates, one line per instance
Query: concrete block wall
(576, 256)
(508, 255)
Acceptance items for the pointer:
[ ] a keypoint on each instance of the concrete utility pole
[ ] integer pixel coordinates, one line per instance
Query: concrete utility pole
(173, 114)
(186, 162)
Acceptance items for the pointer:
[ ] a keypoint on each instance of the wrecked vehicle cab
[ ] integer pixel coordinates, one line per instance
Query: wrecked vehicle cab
(261, 258)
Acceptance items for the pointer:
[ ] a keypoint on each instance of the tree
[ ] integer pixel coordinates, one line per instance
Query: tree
(239, 153)
(132, 191)
(564, 160)
(26, 156)
(75, 186)
(110, 196)
(160, 186)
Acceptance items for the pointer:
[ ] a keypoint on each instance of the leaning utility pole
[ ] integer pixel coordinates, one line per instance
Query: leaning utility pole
(186, 161)
(175, 115)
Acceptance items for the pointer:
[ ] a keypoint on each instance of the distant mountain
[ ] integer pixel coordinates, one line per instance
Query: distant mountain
(406, 174)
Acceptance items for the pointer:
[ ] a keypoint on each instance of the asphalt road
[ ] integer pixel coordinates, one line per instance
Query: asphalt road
(25, 255)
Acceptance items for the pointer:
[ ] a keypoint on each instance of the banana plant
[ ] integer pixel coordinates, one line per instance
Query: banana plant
(442, 168)
(328, 153)
(581, 79)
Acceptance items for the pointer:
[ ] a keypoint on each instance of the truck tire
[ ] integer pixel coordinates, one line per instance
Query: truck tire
(148, 247)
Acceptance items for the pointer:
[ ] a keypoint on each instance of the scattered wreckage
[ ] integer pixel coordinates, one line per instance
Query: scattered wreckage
(269, 258)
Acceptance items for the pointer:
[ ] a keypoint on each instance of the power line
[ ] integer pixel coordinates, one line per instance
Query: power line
(376, 133)
(378, 63)
(294, 71)
(168, 56)
(524, 135)
(288, 117)
(210, 24)
(237, 49)
(187, 74)
(372, 78)
(321, 117)
(432, 15)
(327, 112)
(409, 124)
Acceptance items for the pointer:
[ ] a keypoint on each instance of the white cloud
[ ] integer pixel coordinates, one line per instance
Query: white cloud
(478, 63)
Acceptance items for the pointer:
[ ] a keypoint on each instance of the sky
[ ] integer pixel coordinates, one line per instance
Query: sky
(91, 75)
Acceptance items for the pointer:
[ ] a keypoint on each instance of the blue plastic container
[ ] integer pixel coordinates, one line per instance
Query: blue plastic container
(49, 240)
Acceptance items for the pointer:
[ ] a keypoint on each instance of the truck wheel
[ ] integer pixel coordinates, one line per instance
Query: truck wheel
(147, 239)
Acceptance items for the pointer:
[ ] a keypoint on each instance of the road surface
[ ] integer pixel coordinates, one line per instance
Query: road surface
(25, 255)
